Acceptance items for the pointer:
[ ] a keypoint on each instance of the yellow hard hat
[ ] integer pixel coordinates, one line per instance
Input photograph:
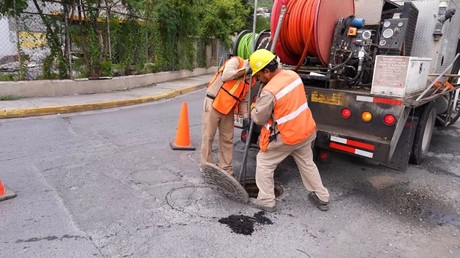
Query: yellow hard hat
(259, 59)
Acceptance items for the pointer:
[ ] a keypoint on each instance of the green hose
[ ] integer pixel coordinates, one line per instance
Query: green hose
(244, 48)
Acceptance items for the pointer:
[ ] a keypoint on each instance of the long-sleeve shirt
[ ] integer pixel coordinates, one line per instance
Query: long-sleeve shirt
(231, 72)
(263, 108)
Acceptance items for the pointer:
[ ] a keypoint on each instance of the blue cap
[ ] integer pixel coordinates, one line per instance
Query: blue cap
(358, 22)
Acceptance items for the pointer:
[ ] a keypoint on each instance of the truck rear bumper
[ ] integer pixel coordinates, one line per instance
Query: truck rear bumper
(369, 146)
(366, 146)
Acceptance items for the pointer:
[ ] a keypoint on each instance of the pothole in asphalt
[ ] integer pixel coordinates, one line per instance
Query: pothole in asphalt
(241, 224)
(413, 204)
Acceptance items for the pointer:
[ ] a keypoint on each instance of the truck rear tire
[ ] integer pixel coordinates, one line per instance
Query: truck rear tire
(443, 119)
(423, 134)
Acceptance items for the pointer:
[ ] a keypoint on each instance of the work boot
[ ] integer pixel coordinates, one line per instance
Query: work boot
(323, 206)
(253, 202)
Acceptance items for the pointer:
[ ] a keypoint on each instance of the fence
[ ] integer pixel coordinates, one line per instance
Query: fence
(52, 40)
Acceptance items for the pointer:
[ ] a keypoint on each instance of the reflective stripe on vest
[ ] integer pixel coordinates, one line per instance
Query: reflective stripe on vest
(232, 90)
(290, 111)
(230, 93)
(288, 88)
(290, 116)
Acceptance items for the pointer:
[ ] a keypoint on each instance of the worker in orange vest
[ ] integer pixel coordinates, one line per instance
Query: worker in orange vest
(225, 95)
(288, 128)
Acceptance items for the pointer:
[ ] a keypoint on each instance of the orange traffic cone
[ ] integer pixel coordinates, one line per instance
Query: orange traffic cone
(5, 193)
(182, 141)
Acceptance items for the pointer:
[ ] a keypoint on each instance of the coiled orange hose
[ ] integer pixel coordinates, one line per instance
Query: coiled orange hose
(296, 38)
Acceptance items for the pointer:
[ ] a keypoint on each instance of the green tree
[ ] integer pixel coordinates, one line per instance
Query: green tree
(55, 42)
(222, 18)
(262, 23)
(166, 34)
(12, 7)
(176, 23)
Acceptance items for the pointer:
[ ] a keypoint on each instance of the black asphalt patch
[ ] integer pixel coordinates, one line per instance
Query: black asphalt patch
(416, 205)
(244, 225)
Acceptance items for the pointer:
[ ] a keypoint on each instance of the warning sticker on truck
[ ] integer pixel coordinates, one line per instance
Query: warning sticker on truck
(332, 98)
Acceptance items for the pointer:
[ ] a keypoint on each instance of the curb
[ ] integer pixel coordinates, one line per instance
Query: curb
(53, 110)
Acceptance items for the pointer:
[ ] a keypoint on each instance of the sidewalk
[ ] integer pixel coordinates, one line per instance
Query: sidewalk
(66, 104)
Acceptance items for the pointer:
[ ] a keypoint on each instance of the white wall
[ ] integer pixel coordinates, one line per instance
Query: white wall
(7, 43)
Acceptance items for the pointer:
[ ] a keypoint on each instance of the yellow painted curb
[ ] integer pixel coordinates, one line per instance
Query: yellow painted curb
(41, 111)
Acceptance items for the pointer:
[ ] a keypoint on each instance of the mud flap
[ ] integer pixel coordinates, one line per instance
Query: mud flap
(225, 183)
(400, 160)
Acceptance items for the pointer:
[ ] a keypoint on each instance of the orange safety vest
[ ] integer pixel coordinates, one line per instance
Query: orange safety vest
(293, 119)
(230, 93)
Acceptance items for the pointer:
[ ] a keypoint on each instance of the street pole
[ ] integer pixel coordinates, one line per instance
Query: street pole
(242, 175)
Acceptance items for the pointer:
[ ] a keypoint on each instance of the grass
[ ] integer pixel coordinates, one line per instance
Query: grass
(9, 97)
(8, 76)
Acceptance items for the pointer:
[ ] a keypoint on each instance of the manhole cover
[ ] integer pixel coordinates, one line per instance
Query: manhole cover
(225, 183)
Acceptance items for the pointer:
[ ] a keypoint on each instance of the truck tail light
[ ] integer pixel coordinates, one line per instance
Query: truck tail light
(346, 113)
(324, 155)
(366, 116)
(389, 120)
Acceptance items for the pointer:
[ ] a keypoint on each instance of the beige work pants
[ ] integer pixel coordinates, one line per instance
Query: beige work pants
(213, 120)
(303, 155)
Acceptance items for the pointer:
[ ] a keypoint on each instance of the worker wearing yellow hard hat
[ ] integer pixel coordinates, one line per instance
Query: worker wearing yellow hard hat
(259, 59)
(288, 128)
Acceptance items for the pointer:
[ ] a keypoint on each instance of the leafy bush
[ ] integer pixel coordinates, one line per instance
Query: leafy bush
(8, 97)
(9, 76)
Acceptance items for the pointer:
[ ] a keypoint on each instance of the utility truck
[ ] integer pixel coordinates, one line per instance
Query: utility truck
(379, 74)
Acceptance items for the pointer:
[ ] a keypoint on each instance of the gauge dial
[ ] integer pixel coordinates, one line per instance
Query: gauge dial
(386, 24)
(387, 33)
(367, 34)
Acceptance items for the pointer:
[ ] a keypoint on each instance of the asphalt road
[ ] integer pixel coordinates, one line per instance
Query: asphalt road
(107, 184)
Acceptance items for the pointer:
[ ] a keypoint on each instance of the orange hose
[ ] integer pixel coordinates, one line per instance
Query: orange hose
(297, 38)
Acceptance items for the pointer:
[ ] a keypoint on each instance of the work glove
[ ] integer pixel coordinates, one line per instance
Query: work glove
(246, 123)
(253, 105)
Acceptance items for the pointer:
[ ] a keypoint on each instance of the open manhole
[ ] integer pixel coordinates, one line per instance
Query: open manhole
(252, 189)
(229, 186)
